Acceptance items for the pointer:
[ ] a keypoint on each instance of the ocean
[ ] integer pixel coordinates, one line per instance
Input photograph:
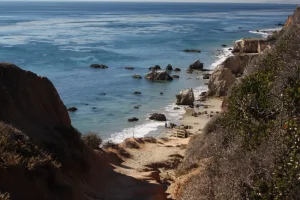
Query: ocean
(60, 40)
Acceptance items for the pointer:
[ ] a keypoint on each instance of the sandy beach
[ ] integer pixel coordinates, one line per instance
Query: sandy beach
(154, 160)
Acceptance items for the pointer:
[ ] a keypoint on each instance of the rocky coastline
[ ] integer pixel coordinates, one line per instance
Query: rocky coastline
(42, 150)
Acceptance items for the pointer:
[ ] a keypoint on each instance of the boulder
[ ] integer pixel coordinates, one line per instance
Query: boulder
(186, 97)
(137, 92)
(159, 76)
(206, 76)
(136, 76)
(129, 68)
(72, 109)
(134, 119)
(175, 76)
(169, 67)
(177, 70)
(98, 66)
(158, 117)
(156, 67)
(197, 65)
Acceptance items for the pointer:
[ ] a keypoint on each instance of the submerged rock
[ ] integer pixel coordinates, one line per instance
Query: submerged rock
(137, 76)
(175, 76)
(137, 92)
(134, 119)
(159, 76)
(158, 117)
(177, 70)
(129, 68)
(72, 109)
(186, 97)
(98, 66)
(192, 51)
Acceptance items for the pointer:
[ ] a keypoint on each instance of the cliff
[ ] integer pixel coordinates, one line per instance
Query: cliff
(251, 150)
(39, 149)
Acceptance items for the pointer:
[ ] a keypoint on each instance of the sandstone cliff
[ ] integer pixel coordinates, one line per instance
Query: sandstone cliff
(227, 73)
(256, 45)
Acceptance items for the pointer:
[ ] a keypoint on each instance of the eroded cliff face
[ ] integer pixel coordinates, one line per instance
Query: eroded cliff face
(256, 45)
(227, 73)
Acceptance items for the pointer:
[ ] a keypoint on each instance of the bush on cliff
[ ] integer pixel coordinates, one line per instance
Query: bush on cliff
(252, 150)
(92, 140)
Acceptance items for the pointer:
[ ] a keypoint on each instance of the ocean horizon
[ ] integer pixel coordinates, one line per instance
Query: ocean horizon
(60, 41)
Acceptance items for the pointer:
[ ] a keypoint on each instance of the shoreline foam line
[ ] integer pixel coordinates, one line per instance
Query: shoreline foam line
(265, 32)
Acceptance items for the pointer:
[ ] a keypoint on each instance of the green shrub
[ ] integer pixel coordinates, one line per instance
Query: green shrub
(92, 140)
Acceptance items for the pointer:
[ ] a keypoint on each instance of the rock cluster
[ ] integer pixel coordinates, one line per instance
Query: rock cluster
(158, 76)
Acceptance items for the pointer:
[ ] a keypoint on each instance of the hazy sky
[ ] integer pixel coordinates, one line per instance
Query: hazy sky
(235, 1)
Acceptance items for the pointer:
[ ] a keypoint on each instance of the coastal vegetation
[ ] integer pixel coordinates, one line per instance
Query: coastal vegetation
(251, 150)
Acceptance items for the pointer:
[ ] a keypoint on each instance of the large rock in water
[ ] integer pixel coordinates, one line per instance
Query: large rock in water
(186, 97)
(159, 76)
(158, 117)
(197, 65)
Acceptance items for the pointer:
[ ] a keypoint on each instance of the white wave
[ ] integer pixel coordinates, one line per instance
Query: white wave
(137, 131)
(265, 32)
(222, 57)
